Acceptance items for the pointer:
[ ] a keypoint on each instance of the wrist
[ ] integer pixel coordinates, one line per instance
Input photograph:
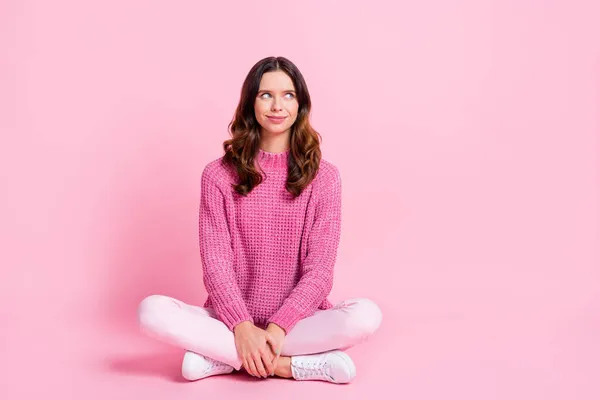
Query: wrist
(273, 325)
(242, 325)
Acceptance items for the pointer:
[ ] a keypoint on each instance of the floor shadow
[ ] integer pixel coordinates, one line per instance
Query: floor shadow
(165, 365)
(162, 365)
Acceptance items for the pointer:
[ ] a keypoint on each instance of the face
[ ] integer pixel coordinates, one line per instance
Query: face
(276, 97)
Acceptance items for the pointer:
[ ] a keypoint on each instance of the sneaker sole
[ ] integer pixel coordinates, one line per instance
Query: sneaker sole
(348, 362)
(191, 375)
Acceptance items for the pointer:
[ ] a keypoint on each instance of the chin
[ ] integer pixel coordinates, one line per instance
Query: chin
(277, 130)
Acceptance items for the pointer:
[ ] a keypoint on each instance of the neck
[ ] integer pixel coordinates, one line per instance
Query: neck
(274, 143)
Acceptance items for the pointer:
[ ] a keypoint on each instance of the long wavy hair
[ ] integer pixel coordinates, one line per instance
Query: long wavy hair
(243, 147)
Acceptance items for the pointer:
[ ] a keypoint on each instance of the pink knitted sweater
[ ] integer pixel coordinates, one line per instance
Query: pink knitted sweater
(268, 257)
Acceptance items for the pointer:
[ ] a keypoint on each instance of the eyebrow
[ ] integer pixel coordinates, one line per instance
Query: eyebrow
(283, 91)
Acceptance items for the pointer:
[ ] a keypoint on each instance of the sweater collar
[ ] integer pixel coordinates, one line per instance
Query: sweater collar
(268, 160)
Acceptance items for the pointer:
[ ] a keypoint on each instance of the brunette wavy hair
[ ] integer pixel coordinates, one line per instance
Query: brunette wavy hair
(243, 147)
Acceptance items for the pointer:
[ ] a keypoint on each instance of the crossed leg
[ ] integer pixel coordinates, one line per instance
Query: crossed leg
(198, 329)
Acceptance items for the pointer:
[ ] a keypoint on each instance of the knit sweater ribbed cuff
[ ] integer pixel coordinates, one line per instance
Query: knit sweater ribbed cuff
(286, 317)
(234, 314)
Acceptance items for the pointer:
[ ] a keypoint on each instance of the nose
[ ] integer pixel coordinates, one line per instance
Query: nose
(276, 105)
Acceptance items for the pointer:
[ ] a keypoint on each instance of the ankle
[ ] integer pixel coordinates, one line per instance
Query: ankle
(284, 367)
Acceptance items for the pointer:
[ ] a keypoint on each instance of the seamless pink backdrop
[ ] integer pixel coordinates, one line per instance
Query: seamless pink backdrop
(466, 133)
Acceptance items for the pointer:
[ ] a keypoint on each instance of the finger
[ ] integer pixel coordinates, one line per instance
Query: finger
(279, 346)
(278, 354)
(275, 363)
(252, 368)
(259, 365)
(267, 361)
(272, 342)
(276, 348)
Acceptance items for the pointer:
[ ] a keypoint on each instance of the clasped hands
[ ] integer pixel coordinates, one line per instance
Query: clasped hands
(259, 349)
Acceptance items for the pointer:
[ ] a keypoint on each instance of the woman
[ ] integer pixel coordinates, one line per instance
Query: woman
(270, 219)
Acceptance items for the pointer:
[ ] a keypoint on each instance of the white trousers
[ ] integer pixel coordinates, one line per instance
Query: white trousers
(198, 329)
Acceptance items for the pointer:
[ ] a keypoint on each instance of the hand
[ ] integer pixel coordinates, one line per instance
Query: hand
(251, 344)
(278, 334)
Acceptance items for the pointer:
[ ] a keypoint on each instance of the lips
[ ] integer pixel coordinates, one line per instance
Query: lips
(276, 120)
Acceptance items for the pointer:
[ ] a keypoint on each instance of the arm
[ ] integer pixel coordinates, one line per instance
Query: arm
(217, 256)
(317, 269)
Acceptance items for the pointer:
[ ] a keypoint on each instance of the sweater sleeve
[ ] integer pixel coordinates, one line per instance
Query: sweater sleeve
(217, 256)
(317, 269)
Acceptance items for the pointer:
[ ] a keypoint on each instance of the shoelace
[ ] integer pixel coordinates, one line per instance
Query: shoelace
(216, 366)
(312, 368)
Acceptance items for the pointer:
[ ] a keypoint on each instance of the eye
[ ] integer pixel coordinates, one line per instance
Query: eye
(268, 94)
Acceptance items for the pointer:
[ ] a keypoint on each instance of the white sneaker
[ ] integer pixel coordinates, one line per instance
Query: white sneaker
(333, 366)
(196, 366)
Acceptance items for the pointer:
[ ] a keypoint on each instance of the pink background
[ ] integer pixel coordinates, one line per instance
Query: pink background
(466, 133)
